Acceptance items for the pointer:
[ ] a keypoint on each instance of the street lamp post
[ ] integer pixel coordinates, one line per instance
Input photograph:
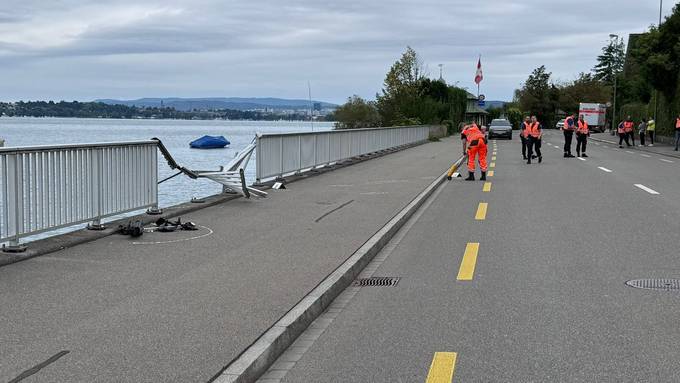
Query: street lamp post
(656, 92)
(615, 38)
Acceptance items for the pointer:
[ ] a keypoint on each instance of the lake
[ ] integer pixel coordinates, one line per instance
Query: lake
(175, 134)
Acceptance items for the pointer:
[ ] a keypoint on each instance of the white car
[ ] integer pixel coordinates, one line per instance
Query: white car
(560, 124)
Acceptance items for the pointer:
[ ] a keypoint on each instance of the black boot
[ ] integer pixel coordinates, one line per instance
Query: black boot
(584, 155)
(483, 177)
(566, 155)
(540, 159)
(578, 154)
(529, 161)
(471, 176)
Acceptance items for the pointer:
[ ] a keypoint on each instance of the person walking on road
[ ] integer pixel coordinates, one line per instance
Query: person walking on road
(651, 130)
(677, 133)
(474, 145)
(582, 133)
(523, 135)
(642, 130)
(568, 130)
(534, 134)
(625, 127)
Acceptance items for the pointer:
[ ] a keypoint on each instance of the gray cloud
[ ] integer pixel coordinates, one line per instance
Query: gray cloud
(83, 50)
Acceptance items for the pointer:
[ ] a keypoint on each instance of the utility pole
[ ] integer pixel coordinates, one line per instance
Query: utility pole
(616, 77)
(656, 92)
(441, 78)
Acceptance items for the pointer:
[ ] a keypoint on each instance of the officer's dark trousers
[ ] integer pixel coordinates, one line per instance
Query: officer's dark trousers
(524, 146)
(623, 137)
(568, 134)
(533, 143)
(581, 141)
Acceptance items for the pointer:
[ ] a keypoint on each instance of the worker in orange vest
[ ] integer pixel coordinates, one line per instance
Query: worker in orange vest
(677, 133)
(533, 135)
(522, 135)
(474, 145)
(568, 129)
(582, 133)
(624, 128)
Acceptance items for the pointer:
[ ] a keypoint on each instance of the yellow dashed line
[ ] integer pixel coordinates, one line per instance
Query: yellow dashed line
(467, 266)
(441, 369)
(492, 165)
(487, 187)
(481, 211)
(490, 173)
(493, 158)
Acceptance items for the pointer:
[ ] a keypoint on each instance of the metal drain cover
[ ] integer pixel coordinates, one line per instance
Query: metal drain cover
(376, 282)
(655, 284)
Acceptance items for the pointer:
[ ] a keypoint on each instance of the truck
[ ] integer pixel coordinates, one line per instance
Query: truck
(594, 115)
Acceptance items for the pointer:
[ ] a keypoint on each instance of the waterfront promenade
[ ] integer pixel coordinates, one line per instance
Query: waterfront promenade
(134, 310)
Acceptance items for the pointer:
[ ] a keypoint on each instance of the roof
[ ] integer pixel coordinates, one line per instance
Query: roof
(474, 109)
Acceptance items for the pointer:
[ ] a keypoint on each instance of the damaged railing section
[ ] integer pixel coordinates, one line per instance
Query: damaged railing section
(289, 153)
(44, 188)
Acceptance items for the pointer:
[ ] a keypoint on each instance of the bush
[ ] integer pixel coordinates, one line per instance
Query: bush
(357, 113)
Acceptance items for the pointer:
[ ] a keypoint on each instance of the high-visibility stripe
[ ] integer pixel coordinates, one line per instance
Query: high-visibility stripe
(442, 367)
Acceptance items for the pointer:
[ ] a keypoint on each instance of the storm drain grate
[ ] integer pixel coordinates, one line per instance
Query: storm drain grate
(376, 282)
(655, 284)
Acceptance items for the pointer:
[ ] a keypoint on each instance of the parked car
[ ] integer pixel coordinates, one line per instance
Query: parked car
(500, 127)
(560, 124)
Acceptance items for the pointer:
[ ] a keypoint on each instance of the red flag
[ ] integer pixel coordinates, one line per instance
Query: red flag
(478, 76)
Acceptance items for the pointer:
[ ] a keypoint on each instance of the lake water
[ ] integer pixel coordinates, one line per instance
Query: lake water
(175, 134)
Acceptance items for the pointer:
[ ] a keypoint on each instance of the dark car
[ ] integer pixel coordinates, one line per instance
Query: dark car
(500, 128)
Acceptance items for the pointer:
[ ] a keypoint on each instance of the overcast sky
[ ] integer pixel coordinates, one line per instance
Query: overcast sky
(77, 49)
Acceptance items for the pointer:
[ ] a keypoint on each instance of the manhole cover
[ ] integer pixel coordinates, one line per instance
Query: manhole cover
(655, 284)
(376, 281)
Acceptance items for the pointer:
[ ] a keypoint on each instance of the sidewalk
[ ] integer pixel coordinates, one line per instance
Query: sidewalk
(658, 148)
(171, 308)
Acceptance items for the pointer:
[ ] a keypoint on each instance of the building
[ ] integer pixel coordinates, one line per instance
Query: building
(473, 112)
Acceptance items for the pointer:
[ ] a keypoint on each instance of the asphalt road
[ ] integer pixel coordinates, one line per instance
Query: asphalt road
(545, 298)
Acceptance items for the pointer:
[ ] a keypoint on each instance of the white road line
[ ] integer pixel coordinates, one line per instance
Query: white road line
(665, 160)
(582, 159)
(604, 169)
(556, 147)
(646, 155)
(628, 151)
(648, 190)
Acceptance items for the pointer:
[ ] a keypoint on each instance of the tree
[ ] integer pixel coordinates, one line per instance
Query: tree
(538, 96)
(584, 89)
(610, 62)
(401, 88)
(357, 113)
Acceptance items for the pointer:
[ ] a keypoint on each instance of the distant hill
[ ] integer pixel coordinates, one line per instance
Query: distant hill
(493, 104)
(234, 103)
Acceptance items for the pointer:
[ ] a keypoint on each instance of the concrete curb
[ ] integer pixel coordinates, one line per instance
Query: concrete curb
(256, 359)
(640, 148)
(77, 237)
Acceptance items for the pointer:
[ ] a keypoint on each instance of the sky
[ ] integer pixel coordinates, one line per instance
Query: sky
(84, 50)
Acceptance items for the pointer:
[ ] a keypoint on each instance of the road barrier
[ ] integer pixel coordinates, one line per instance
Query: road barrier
(44, 188)
(289, 153)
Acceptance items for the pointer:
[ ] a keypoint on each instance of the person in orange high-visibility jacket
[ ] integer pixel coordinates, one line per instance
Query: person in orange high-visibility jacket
(568, 130)
(474, 145)
(522, 135)
(534, 134)
(624, 128)
(582, 133)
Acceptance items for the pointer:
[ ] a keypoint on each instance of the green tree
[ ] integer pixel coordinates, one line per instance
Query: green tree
(610, 62)
(584, 89)
(357, 113)
(538, 96)
(401, 89)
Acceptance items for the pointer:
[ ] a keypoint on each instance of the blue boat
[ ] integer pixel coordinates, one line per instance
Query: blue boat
(209, 142)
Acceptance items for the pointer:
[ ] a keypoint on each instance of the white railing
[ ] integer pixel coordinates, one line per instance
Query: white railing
(44, 188)
(287, 153)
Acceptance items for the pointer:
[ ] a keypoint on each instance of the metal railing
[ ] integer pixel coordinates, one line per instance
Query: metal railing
(44, 188)
(287, 153)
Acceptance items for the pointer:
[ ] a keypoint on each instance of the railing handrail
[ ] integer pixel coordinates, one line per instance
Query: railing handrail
(336, 131)
(37, 148)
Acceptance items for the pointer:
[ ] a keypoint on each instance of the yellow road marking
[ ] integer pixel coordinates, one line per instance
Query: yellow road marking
(467, 266)
(481, 211)
(487, 187)
(492, 165)
(493, 158)
(490, 173)
(441, 369)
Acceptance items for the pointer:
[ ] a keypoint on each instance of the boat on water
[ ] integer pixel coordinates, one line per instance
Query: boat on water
(209, 142)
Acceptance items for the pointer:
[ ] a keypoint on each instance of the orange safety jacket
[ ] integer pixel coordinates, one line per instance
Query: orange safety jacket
(582, 127)
(473, 135)
(566, 124)
(677, 123)
(534, 130)
(525, 129)
(628, 126)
